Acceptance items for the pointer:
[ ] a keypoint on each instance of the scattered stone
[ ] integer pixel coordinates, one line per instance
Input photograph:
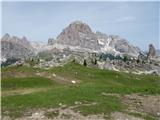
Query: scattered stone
(73, 81)
(54, 75)
(123, 116)
(60, 104)
(77, 103)
(148, 103)
(158, 114)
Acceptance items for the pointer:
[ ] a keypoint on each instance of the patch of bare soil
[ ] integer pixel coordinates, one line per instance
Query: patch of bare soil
(140, 103)
(23, 91)
(124, 116)
(61, 113)
(69, 114)
(16, 75)
(146, 103)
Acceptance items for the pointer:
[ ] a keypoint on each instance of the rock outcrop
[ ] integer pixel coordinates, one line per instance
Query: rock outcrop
(151, 52)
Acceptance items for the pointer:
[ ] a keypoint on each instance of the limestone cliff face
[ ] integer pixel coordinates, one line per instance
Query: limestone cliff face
(78, 34)
(15, 47)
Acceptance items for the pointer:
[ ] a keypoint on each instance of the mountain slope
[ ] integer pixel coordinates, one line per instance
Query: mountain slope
(34, 90)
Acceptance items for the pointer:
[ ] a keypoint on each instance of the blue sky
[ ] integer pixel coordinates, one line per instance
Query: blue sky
(138, 22)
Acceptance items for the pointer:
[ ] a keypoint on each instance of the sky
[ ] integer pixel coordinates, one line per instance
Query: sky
(138, 22)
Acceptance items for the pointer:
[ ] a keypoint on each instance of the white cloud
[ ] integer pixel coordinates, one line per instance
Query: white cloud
(126, 19)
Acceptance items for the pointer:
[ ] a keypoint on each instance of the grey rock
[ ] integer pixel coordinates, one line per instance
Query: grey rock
(14, 47)
(123, 46)
(151, 52)
(78, 34)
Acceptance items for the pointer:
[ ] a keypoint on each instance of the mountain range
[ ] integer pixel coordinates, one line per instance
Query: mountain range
(77, 36)
(14, 47)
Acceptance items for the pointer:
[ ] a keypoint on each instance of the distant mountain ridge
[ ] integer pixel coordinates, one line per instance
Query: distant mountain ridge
(14, 47)
(77, 36)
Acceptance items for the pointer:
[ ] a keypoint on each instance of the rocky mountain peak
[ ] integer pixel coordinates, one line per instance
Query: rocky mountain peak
(78, 34)
(24, 38)
(75, 28)
(5, 37)
(79, 26)
(16, 47)
(25, 41)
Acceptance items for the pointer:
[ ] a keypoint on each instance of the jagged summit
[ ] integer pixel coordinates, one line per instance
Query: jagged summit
(13, 46)
(5, 37)
(78, 34)
(80, 27)
(75, 28)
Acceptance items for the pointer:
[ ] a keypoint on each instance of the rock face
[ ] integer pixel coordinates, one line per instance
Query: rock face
(14, 47)
(122, 46)
(78, 34)
(116, 45)
(152, 51)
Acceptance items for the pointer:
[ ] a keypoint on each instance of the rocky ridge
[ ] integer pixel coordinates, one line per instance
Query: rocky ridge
(78, 35)
(14, 47)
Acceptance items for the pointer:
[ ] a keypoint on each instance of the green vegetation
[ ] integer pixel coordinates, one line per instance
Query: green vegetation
(90, 84)
(9, 62)
(125, 59)
(31, 82)
(110, 57)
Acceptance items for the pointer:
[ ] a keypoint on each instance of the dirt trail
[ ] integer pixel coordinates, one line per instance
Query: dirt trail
(23, 91)
(146, 103)
(149, 104)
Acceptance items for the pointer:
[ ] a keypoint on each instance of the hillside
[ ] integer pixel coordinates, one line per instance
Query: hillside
(78, 92)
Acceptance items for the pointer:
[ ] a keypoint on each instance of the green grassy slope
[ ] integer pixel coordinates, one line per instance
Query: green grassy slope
(91, 83)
